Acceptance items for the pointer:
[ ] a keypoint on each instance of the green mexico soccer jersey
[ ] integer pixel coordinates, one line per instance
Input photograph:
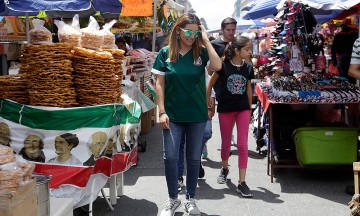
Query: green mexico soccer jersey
(185, 95)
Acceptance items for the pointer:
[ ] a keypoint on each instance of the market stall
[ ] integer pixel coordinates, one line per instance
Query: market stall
(304, 117)
(57, 84)
(328, 149)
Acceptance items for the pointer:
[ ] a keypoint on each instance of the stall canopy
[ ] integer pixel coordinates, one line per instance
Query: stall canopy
(264, 8)
(60, 8)
(248, 24)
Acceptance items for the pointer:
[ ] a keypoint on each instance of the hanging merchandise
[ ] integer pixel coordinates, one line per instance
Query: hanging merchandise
(320, 62)
(333, 69)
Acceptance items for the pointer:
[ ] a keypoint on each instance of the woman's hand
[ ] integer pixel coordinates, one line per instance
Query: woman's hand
(164, 121)
(204, 36)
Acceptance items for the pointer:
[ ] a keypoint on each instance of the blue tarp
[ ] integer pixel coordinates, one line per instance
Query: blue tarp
(60, 8)
(48, 5)
(262, 8)
(248, 24)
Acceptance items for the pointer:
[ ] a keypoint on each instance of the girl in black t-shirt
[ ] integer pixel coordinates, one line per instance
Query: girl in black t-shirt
(234, 106)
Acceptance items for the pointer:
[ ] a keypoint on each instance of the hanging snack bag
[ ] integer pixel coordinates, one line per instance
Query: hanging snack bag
(69, 34)
(91, 36)
(39, 34)
(109, 37)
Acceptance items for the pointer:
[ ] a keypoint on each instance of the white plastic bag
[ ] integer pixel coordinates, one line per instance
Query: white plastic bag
(69, 33)
(91, 36)
(39, 34)
(109, 37)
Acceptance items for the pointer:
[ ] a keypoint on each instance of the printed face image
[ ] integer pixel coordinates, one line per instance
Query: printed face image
(110, 147)
(4, 134)
(32, 146)
(98, 142)
(61, 146)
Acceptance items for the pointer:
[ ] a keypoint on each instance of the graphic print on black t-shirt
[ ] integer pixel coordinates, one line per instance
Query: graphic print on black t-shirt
(236, 84)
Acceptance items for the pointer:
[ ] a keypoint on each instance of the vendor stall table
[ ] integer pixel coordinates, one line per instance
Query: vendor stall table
(267, 106)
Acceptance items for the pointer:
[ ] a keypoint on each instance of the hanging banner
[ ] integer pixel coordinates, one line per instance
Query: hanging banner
(79, 147)
(137, 8)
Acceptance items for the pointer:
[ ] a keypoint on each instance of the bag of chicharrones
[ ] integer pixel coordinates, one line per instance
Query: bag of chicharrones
(109, 37)
(91, 36)
(69, 33)
(39, 34)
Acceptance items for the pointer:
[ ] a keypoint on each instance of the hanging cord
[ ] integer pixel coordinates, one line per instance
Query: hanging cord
(20, 112)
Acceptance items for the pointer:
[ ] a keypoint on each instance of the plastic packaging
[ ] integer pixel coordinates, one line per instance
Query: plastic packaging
(91, 36)
(109, 37)
(69, 33)
(39, 34)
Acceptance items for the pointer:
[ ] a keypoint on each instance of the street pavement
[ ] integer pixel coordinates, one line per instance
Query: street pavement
(295, 192)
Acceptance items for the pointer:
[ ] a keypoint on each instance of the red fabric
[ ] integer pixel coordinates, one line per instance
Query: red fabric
(333, 69)
(263, 98)
(79, 175)
(61, 174)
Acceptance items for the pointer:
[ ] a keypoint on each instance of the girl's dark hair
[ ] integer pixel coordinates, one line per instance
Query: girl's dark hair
(70, 139)
(239, 43)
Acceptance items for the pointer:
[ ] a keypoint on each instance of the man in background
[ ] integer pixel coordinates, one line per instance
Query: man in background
(228, 29)
(354, 68)
(342, 46)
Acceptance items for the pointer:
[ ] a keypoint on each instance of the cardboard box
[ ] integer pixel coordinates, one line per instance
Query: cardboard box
(22, 203)
(145, 122)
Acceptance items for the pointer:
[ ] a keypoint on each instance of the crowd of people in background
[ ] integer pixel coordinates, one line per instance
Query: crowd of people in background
(209, 72)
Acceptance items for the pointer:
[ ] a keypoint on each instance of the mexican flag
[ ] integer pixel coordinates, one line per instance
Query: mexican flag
(79, 147)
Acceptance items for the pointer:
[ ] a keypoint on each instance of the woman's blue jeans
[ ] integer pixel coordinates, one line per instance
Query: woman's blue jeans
(171, 144)
(207, 135)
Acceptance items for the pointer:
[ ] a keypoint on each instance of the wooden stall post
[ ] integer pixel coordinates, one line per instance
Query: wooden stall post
(356, 167)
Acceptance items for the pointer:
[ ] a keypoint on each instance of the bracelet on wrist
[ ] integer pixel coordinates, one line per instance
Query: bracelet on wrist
(161, 113)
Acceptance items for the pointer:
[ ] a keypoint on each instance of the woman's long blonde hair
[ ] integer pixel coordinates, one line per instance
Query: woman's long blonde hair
(174, 41)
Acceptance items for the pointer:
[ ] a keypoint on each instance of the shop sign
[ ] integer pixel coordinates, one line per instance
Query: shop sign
(137, 8)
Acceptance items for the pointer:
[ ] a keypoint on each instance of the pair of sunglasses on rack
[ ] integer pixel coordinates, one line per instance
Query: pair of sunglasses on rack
(188, 32)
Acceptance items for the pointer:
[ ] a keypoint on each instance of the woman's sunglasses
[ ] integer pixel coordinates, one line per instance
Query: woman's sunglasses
(188, 33)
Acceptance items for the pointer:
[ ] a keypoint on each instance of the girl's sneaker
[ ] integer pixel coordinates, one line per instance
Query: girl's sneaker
(222, 178)
(204, 153)
(244, 190)
(180, 183)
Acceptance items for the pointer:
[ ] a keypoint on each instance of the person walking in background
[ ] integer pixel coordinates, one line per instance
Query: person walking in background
(228, 29)
(181, 98)
(342, 46)
(354, 69)
(234, 105)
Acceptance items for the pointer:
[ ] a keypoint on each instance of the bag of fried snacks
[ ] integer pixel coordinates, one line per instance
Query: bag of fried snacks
(69, 33)
(39, 34)
(109, 37)
(91, 36)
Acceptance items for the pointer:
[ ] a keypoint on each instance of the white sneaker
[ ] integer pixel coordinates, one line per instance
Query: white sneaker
(191, 208)
(171, 206)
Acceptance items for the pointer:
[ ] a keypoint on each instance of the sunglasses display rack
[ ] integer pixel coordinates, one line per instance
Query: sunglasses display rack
(310, 89)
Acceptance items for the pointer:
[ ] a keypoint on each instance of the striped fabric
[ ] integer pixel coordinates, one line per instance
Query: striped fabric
(355, 55)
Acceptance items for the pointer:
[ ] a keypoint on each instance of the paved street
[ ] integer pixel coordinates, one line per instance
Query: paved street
(295, 192)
